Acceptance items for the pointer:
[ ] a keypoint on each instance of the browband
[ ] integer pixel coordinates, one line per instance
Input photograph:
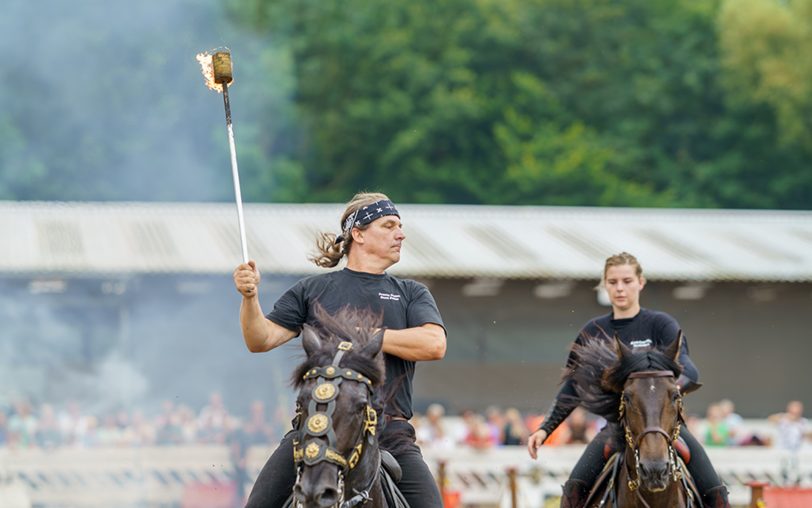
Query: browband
(651, 373)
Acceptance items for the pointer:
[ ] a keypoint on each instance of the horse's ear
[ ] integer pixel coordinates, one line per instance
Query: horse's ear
(310, 340)
(620, 348)
(673, 350)
(373, 347)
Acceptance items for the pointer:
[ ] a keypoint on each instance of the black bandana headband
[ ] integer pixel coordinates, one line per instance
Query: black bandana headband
(366, 215)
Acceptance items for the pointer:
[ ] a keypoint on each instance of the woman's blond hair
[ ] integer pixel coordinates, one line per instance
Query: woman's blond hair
(329, 251)
(624, 258)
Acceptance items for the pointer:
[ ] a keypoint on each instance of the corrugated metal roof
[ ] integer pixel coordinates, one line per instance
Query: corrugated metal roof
(442, 240)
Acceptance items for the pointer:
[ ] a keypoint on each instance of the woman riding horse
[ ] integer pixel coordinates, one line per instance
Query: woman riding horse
(635, 327)
(636, 392)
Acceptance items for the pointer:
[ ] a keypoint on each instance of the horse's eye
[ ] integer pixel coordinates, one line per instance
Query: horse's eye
(626, 398)
(675, 396)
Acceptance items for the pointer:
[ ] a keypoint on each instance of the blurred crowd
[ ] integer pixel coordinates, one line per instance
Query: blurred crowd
(721, 426)
(47, 426)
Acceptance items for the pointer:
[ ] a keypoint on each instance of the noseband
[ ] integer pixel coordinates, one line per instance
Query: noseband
(634, 444)
(308, 448)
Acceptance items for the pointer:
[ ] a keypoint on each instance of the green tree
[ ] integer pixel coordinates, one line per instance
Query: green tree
(765, 54)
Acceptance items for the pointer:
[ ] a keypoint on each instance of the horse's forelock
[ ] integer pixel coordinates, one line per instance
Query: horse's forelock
(358, 327)
(599, 375)
(648, 359)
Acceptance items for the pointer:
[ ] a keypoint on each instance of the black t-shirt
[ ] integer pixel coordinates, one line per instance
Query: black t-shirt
(647, 328)
(404, 303)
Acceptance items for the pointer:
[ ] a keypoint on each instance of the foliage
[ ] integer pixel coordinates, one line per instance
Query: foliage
(593, 102)
(683, 103)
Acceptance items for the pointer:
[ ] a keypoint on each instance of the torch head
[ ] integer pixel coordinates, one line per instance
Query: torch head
(221, 63)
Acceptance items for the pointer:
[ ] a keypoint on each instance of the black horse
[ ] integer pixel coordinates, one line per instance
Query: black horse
(336, 452)
(636, 392)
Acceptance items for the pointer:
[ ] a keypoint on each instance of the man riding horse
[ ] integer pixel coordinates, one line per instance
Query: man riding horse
(636, 328)
(370, 239)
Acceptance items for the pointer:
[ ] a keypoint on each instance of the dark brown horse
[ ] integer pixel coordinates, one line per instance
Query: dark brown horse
(638, 394)
(336, 451)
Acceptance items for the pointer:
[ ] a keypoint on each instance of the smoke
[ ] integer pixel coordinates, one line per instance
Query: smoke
(161, 338)
(104, 100)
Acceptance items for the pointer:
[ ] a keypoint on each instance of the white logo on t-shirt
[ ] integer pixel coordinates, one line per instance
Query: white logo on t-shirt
(389, 296)
(640, 343)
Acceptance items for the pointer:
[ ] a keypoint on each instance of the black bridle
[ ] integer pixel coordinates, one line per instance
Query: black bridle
(309, 447)
(634, 444)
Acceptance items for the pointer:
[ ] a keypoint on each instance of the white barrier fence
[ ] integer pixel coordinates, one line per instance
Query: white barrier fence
(162, 476)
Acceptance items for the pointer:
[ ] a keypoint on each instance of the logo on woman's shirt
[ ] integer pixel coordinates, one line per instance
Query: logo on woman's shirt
(640, 343)
(389, 296)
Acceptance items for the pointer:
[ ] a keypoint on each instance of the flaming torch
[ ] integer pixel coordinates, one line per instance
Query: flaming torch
(216, 68)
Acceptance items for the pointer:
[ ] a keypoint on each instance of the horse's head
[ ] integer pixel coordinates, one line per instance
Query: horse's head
(337, 416)
(650, 412)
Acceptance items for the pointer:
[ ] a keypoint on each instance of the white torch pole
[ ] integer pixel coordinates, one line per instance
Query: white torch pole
(222, 74)
(235, 174)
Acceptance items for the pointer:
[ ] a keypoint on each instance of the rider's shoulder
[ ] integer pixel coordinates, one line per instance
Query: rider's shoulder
(657, 315)
(315, 282)
(596, 326)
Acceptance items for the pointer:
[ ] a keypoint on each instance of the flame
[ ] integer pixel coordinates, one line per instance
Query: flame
(207, 69)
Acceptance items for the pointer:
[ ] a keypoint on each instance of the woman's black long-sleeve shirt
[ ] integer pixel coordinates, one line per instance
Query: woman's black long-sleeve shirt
(649, 328)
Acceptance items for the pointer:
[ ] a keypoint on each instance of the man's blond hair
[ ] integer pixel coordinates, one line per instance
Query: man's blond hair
(329, 251)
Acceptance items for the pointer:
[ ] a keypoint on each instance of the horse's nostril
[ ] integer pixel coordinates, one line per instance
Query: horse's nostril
(329, 497)
(654, 470)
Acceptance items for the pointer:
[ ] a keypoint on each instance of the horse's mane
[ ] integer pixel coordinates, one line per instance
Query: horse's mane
(356, 326)
(599, 375)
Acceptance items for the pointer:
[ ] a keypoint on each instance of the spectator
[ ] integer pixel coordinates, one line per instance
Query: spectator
(213, 420)
(22, 426)
(257, 429)
(716, 430)
(461, 432)
(189, 426)
(579, 428)
(514, 432)
(793, 428)
(90, 436)
(432, 431)
(479, 434)
(109, 434)
(734, 422)
(140, 432)
(48, 432)
(3, 428)
(168, 430)
(72, 424)
(496, 423)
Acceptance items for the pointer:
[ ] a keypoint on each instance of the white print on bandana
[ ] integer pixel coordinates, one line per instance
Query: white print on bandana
(389, 296)
(640, 343)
